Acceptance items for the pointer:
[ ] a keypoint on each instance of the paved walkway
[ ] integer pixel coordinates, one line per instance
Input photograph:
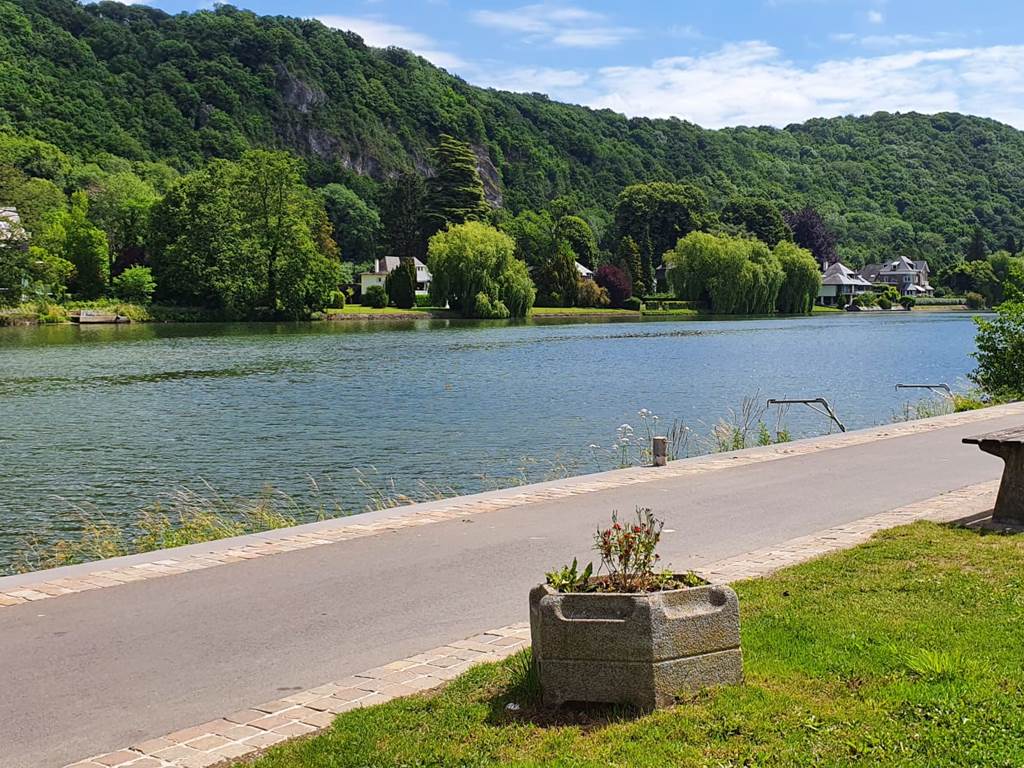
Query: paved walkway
(161, 642)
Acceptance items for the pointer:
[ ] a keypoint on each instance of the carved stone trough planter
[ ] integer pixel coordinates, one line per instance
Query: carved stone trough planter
(641, 649)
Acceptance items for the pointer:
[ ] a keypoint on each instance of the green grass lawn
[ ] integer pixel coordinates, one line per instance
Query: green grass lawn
(560, 311)
(906, 651)
(359, 309)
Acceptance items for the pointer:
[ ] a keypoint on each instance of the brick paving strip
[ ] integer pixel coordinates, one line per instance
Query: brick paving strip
(342, 529)
(244, 733)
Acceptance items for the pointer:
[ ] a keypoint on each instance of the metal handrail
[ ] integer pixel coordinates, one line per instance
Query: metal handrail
(825, 410)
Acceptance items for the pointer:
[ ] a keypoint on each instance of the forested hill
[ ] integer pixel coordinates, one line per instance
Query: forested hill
(139, 83)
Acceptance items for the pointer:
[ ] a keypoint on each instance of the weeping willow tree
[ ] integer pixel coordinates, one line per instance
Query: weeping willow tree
(730, 275)
(803, 279)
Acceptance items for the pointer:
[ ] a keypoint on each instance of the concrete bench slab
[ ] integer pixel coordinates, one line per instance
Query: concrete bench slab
(1007, 444)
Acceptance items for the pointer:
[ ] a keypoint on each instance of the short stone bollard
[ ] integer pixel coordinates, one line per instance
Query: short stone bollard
(660, 451)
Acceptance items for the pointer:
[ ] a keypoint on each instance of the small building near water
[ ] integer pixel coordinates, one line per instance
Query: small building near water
(385, 265)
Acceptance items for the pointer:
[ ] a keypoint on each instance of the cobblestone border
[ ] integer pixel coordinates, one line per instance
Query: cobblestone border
(246, 732)
(272, 543)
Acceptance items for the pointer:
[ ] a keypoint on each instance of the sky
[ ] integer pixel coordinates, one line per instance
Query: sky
(714, 62)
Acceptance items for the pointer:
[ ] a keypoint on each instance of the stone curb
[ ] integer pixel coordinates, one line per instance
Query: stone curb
(251, 547)
(248, 731)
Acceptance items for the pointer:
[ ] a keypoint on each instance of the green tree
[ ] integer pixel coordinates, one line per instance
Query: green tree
(400, 284)
(628, 260)
(243, 236)
(557, 278)
(802, 280)
(85, 246)
(278, 215)
(355, 226)
(580, 237)
(662, 211)
(730, 275)
(977, 251)
(759, 217)
(1000, 354)
(474, 271)
(402, 207)
(135, 284)
(535, 235)
(119, 204)
(196, 244)
(455, 194)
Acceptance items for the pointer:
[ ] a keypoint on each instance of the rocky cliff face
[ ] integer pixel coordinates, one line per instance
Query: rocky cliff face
(297, 129)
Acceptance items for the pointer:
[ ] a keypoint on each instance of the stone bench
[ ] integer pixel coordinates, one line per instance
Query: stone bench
(1007, 444)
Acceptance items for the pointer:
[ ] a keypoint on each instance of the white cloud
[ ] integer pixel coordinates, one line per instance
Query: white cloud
(566, 26)
(876, 17)
(752, 83)
(531, 79)
(382, 34)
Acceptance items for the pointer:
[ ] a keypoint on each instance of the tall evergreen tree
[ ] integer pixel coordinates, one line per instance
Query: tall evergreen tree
(402, 205)
(977, 251)
(1011, 245)
(456, 194)
(400, 284)
(647, 268)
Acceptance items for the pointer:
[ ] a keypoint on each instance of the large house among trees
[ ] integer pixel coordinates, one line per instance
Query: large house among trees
(910, 278)
(840, 284)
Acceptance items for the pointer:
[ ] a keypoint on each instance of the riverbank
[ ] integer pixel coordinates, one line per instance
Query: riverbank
(57, 314)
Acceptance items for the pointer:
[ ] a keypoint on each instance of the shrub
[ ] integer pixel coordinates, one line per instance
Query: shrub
(337, 300)
(376, 297)
(135, 284)
(974, 300)
(590, 294)
(908, 302)
(400, 285)
(633, 303)
(1000, 354)
(884, 302)
(423, 301)
(616, 282)
(940, 293)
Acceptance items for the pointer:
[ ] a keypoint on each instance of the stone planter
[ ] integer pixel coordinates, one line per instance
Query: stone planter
(641, 649)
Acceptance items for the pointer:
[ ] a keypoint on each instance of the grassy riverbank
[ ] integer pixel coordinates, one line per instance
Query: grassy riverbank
(916, 661)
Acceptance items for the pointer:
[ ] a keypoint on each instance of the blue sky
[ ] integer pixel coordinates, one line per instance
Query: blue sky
(731, 62)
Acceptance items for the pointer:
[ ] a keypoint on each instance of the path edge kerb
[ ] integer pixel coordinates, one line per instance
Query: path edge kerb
(55, 582)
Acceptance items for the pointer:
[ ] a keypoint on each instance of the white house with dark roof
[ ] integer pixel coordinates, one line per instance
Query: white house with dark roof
(910, 278)
(386, 264)
(841, 281)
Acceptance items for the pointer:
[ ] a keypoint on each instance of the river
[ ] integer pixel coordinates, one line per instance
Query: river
(98, 421)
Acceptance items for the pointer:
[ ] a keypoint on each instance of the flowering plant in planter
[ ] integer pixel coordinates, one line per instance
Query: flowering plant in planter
(628, 558)
(632, 634)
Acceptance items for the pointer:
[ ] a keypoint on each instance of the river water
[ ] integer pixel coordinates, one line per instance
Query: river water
(99, 421)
